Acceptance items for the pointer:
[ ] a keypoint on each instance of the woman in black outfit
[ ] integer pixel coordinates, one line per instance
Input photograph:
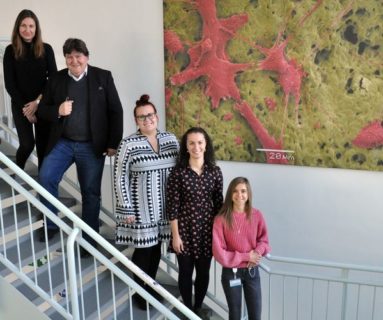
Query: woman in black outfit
(28, 62)
(194, 196)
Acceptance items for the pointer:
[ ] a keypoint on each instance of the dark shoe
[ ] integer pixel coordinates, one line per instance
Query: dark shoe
(180, 315)
(50, 234)
(204, 314)
(139, 301)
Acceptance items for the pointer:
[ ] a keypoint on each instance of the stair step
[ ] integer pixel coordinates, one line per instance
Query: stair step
(42, 276)
(9, 200)
(25, 248)
(23, 229)
(25, 222)
(28, 268)
(88, 287)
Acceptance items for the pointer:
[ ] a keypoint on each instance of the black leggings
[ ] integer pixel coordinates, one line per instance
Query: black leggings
(27, 139)
(148, 259)
(185, 279)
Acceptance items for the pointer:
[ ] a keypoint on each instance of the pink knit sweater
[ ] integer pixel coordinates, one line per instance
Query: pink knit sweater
(231, 247)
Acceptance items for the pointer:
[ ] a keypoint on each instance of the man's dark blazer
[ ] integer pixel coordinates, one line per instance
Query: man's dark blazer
(105, 109)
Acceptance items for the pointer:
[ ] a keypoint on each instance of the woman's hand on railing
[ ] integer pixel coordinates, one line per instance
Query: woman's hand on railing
(255, 259)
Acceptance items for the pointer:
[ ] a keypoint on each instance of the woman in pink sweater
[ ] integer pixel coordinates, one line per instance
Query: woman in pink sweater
(239, 242)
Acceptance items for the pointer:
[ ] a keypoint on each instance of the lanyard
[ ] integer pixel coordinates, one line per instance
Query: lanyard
(235, 282)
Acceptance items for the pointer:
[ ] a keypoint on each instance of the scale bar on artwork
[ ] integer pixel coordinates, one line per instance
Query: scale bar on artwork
(276, 150)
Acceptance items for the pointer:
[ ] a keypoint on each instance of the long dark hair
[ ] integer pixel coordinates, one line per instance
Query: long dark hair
(144, 101)
(183, 157)
(17, 40)
(227, 209)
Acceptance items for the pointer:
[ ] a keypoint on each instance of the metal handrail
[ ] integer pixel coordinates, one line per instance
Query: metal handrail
(343, 278)
(271, 270)
(66, 178)
(80, 224)
(319, 263)
(349, 277)
(72, 272)
(85, 228)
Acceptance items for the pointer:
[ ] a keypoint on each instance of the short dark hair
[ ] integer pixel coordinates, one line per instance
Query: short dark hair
(73, 44)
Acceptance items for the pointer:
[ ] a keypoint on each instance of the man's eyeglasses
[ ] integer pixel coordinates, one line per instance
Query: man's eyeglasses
(143, 117)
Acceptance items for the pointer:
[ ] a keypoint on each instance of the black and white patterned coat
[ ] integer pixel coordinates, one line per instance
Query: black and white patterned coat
(140, 178)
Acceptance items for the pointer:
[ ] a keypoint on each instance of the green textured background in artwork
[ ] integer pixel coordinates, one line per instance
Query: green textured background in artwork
(340, 47)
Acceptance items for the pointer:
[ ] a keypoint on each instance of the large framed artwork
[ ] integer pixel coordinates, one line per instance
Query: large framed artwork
(278, 81)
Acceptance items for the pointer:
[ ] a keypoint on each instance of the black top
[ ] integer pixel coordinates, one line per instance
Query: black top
(26, 77)
(194, 200)
(76, 125)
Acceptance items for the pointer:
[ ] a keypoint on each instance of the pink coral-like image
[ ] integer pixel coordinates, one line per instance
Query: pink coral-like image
(208, 57)
(231, 72)
(371, 136)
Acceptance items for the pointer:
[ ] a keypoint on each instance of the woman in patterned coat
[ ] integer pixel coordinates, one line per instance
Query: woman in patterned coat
(194, 197)
(143, 163)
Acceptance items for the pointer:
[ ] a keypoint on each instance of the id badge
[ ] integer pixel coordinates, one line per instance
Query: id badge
(235, 283)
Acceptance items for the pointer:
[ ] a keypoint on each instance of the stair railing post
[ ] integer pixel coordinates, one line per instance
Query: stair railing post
(345, 273)
(72, 273)
(111, 172)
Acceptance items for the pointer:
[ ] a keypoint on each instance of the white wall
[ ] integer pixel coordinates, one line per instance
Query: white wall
(11, 297)
(124, 36)
(332, 214)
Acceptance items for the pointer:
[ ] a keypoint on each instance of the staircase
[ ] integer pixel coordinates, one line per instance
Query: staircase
(54, 280)
(101, 286)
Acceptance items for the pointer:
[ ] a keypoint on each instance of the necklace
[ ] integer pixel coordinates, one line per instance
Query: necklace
(198, 169)
(237, 225)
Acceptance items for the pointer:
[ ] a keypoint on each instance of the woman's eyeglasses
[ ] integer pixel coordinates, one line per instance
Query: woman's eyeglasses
(143, 117)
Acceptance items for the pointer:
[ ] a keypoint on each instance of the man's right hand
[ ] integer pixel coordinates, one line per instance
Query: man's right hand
(65, 108)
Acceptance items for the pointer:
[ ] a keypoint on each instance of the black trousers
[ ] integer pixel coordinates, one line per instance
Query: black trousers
(250, 285)
(148, 259)
(186, 266)
(27, 139)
